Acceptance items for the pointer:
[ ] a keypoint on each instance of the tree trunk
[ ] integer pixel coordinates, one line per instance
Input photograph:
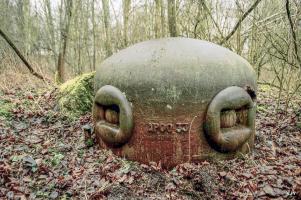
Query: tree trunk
(162, 19)
(50, 26)
(293, 33)
(23, 25)
(106, 20)
(172, 21)
(94, 34)
(61, 74)
(126, 13)
(157, 18)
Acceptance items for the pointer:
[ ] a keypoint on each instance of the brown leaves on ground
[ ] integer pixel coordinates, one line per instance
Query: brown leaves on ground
(44, 156)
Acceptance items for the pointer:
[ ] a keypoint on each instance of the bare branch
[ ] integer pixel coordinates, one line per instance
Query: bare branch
(243, 17)
(288, 13)
(211, 17)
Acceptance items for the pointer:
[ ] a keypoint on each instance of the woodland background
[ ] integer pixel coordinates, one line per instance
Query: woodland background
(62, 39)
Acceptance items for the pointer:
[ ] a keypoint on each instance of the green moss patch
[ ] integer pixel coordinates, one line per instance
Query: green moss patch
(5, 109)
(75, 96)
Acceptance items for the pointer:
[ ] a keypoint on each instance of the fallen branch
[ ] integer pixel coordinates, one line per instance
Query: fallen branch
(243, 17)
(11, 44)
(288, 13)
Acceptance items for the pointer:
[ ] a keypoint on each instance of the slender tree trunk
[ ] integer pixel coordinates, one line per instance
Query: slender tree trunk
(126, 13)
(157, 18)
(61, 73)
(80, 35)
(106, 19)
(50, 26)
(94, 34)
(197, 20)
(23, 9)
(238, 41)
(162, 19)
(209, 12)
(172, 21)
(293, 33)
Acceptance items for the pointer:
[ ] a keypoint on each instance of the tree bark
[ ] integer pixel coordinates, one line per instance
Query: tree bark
(293, 33)
(94, 34)
(64, 39)
(50, 26)
(20, 55)
(172, 21)
(23, 25)
(162, 19)
(106, 19)
(157, 18)
(126, 13)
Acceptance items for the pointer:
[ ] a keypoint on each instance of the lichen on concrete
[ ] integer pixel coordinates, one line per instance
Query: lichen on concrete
(75, 96)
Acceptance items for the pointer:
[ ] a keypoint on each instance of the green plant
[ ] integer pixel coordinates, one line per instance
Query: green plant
(56, 159)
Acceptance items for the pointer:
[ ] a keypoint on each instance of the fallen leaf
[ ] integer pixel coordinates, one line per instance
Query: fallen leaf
(222, 174)
(269, 191)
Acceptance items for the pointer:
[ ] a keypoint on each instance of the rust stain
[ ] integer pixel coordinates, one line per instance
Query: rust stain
(168, 140)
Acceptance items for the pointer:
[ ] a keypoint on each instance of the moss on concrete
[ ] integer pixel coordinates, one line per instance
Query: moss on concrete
(75, 96)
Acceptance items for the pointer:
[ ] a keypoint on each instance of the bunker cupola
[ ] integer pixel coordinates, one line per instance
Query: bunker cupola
(175, 100)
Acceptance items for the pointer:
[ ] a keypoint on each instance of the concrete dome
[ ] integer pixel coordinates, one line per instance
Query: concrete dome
(175, 100)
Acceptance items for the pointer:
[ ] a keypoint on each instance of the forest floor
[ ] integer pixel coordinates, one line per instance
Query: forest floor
(43, 156)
